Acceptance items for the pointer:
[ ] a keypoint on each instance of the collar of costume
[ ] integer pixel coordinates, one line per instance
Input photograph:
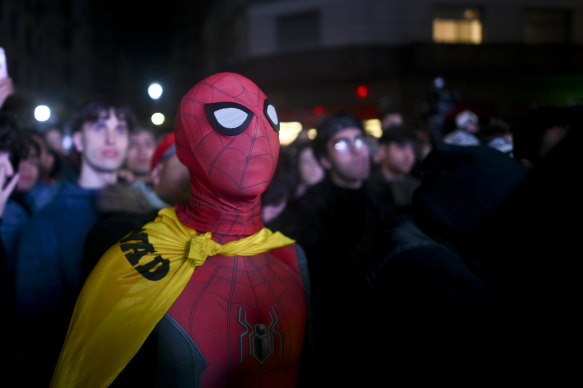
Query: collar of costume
(131, 288)
(219, 215)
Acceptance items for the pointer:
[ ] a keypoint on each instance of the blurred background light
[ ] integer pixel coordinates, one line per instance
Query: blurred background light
(373, 127)
(288, 131)
(362, 91)
(439, 82)
(312, 132)
(42, 113)
(67, 142)
(155, 91)
(158, 118)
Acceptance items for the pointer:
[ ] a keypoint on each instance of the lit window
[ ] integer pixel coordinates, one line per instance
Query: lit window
(457, 25)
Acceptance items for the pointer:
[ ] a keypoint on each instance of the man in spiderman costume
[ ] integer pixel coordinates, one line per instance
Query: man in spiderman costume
(205, 293)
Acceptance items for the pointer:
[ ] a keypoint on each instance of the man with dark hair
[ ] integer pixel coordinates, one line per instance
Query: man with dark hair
(342, 202)
(49, 266)
(328, 221)
(140, 151)
(393, 181)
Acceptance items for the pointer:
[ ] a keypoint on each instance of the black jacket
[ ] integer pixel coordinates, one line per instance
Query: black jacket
(428, 296)
(328, 222)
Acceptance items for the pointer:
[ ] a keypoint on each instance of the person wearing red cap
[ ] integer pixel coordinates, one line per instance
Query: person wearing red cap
(169, 177)
(219, 299)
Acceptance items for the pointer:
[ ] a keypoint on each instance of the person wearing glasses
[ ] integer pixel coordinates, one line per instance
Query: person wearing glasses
(329, 220)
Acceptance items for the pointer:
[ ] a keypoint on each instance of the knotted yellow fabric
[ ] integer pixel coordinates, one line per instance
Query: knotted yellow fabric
(131, 288)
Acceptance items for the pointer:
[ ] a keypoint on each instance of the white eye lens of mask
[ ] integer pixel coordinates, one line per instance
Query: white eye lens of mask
(359, 142)
(230, 117)
(272, 114)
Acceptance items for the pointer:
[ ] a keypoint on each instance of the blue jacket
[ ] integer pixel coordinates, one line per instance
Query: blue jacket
(14, 219)
(16, 214)
(49, 267)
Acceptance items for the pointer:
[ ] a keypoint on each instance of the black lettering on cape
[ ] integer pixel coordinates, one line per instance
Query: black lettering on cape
(137, 245)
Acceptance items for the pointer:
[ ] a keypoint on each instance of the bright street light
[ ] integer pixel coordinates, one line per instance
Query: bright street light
(158, 118)
(155, 91)
(42, 113)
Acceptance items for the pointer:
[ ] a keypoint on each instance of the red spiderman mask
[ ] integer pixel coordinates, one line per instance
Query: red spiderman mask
(227, 137)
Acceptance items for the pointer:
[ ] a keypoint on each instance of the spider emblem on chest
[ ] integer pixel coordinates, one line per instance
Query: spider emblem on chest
(262, 340)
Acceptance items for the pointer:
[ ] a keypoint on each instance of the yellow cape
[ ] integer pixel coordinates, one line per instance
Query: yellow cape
(129, 291)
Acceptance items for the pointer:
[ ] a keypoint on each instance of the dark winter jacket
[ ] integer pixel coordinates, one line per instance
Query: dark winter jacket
(50, 250)
(328, 222)
(123, 208)
(49, 275)
(428, 299)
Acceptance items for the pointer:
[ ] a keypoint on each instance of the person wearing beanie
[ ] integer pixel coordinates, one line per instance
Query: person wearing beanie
(467, 127)
(170, 178)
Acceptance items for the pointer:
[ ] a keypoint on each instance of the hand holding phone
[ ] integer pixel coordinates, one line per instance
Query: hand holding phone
(3, 65)
(8, 180)
(6, 87)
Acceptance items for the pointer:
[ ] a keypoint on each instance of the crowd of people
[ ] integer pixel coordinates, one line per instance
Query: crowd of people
(213, 256)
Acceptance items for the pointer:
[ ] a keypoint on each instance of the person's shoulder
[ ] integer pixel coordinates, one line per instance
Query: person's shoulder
(13, 209)
(314, 196)
(321, 187)
(67, 189)
(376, 178)
(66, 203)
(379, 198)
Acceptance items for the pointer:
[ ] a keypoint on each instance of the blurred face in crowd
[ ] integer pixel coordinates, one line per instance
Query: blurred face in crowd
(103, 143)
(171, 181)
(310, 170)
(348, 158)
(471, 127)
(54, 139)
(29, 171)
(399, 158)
(46, 159)
(140, 151)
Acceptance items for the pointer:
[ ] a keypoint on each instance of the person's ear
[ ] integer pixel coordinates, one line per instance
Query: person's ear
(155, 174)
(325, 162)
(78, 141)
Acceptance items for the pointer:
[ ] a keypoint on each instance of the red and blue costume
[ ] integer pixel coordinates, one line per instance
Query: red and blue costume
(239, 319)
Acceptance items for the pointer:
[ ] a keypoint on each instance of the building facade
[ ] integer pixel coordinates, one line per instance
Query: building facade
(497, 56)
(312, 57)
